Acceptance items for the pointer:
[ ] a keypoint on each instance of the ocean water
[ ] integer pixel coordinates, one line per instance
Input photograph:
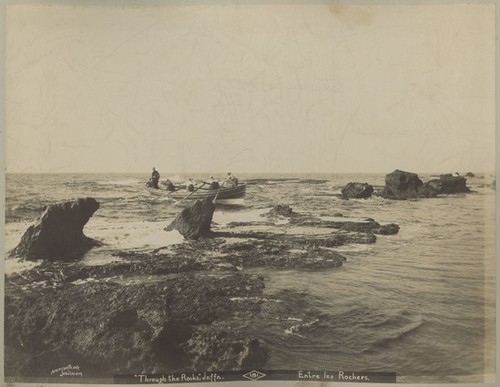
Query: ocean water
(420, 303)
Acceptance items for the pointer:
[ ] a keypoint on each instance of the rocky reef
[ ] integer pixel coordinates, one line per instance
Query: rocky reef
(402, 185)
(449, 184)
(178, 308)
(58, 233)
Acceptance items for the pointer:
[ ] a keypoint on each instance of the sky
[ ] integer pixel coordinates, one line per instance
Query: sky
(250, 88)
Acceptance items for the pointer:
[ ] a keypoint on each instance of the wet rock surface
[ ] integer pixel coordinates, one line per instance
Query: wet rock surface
(177, 308)
(58, 233)
(449, 184)
(401, 185)
(357, 191)
(194, 221)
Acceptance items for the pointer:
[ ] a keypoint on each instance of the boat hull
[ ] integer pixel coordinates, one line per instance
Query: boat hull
(226, 196)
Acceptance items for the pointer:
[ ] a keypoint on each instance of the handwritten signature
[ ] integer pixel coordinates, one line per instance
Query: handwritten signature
(69, 370)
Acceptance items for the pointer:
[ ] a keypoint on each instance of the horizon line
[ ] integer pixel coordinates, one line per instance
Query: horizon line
(243, 173)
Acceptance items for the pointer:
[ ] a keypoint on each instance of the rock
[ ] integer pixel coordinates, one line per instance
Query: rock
(401, 185)
(428, 190)
(283, 210)
(449, 184)
(386, 229)
(255, 356)
(311, 258)
(215, 350)
(123, 318)
(357, 191)
(58, 234)
(470, 174)
(167, 346)
(183, 322)
(194, 222)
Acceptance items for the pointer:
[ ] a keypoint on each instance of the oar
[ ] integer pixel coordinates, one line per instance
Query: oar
(218, 192)
(196, 189)
(175, 190)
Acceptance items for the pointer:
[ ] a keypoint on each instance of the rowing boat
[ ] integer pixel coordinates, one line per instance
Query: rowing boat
(224, 195)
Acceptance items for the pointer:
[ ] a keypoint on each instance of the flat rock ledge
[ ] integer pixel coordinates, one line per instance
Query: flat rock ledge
(175, 309)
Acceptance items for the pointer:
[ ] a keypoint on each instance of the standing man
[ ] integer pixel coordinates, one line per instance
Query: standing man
(155, 178)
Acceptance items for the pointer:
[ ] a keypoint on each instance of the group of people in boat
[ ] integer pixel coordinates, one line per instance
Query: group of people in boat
(190, 185)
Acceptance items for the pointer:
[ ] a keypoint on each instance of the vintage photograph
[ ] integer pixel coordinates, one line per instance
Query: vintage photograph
(249, 192)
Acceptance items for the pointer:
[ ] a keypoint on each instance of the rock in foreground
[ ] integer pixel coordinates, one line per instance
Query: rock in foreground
(194, 222)
(149, 326)
(357, 191)
(58, 233)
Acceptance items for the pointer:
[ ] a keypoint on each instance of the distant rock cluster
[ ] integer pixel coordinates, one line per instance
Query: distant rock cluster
(401, 185)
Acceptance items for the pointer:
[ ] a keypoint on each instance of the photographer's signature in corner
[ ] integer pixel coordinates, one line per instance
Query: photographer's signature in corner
(69, 370)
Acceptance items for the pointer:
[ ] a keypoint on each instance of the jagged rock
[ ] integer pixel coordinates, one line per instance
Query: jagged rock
(357, 191)
(283, 210)
(58, 233)
(449, 184)
(401, 185)
(194, 222)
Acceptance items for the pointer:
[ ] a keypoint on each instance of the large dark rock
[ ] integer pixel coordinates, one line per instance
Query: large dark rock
(357, 191)
(185, 322)
(449, 184)
(58, 233)
(470, 174)
(401, 185)
(194, 222)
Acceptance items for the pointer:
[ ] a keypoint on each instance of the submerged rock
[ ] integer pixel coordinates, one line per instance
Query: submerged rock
(194, 222)
(58, 234)
(357, 191)
(281, 210)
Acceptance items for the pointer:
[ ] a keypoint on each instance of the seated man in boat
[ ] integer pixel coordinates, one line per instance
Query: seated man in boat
(214, 184)
(190, 185)
(231, 181)
(155, 178)
(170, 186)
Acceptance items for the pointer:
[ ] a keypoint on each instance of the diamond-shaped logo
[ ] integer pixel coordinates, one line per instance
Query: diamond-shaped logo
(254, 375)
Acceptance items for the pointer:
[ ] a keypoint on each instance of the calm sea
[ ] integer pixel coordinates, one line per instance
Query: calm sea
(420, 303)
